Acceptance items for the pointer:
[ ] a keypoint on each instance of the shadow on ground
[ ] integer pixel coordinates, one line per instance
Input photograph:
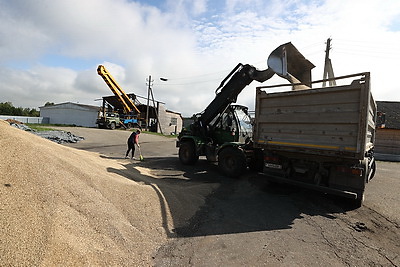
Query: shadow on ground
(247, 204)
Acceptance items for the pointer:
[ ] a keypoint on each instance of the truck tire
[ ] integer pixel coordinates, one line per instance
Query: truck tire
(232, 162)
(129, 125)
(187, 153)
(372, 171)
(112, 126)
(357, 203)
(257, 162)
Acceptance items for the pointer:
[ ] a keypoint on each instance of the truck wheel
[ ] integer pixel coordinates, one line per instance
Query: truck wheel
(257, 162)
(357, 203)
(129, 125)
(232, 162)
(112, 126)
(187, 153)
(372, 171)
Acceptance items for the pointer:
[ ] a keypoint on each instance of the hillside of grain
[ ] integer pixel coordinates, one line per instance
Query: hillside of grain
(63, 206)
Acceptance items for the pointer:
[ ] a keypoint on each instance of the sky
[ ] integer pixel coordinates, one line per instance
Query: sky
(50, 49)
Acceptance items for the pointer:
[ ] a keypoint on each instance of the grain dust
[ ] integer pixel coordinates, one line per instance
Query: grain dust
(63, 206)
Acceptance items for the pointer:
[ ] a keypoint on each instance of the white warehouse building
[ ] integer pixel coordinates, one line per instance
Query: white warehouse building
(85, 115)
(71, 114)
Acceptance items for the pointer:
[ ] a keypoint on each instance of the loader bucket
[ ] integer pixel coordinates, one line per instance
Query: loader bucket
(289, 63)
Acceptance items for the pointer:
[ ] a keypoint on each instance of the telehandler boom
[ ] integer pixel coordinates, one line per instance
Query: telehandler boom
(221, 124)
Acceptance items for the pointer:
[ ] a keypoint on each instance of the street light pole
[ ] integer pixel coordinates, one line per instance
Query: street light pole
(149, 91)
(148, 102)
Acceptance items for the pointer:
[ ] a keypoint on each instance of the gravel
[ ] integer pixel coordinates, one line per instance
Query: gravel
(59, 137)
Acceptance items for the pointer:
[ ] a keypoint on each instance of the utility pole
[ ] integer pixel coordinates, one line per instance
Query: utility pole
(149, 81)
(156, 111)
(328, 69)
(150, 92)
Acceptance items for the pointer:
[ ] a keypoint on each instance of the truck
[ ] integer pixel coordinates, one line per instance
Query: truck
(318, 138)
(112, 120)
(127, 117)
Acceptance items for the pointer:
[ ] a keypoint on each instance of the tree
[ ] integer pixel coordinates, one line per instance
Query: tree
(34, 113)
(49, 104)
(7, 108)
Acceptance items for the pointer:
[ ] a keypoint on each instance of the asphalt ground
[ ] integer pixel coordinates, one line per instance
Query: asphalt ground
(246, 221)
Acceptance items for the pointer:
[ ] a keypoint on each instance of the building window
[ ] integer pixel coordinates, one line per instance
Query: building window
(174, 121)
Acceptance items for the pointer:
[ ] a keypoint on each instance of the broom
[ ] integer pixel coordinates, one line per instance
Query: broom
(140, 152)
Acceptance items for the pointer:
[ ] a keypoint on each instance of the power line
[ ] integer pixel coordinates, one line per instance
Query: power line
(200, 75)
(361, 48)
(224, 72)
(313, 45)
(189, 83)
(366, 53)
(339, 46)
(367, 50)
(366, 42)
(379, 46)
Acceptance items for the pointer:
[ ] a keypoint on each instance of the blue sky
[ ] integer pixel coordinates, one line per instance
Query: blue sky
(50, 50)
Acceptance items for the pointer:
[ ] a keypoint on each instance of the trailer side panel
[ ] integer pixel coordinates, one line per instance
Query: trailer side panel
(329, 121)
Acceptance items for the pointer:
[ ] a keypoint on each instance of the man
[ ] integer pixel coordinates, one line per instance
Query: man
(132, 140)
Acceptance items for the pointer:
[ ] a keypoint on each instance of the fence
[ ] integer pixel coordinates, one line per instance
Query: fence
(23, 119)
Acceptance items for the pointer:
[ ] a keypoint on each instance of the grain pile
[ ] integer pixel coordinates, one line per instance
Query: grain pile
(67, 207)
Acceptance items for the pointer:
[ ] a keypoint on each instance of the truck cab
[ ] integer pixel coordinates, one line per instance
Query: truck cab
(110, 121)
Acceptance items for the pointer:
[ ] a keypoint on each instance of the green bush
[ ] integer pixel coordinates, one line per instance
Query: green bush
(7, 108)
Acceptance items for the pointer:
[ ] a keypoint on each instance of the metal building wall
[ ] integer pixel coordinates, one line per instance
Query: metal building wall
(71, 114)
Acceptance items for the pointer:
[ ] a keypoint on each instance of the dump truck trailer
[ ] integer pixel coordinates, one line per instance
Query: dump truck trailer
(321, 138)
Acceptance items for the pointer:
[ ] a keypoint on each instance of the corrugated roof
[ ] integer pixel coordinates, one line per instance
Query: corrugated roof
(170, 111)
(392, 113)
(72, 103)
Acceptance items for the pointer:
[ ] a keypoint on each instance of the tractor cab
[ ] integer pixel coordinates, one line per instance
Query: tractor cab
(233, 125)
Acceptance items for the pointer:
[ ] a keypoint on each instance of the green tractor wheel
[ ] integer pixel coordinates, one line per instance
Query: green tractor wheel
(187, 153)
(232, 161)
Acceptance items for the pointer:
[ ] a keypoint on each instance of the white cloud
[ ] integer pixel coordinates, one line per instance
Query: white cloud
(34, 87)
(193, 43)
(199, 7)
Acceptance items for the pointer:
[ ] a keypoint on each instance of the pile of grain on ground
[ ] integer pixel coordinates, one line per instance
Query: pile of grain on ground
(10, 121)
(62, 206)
